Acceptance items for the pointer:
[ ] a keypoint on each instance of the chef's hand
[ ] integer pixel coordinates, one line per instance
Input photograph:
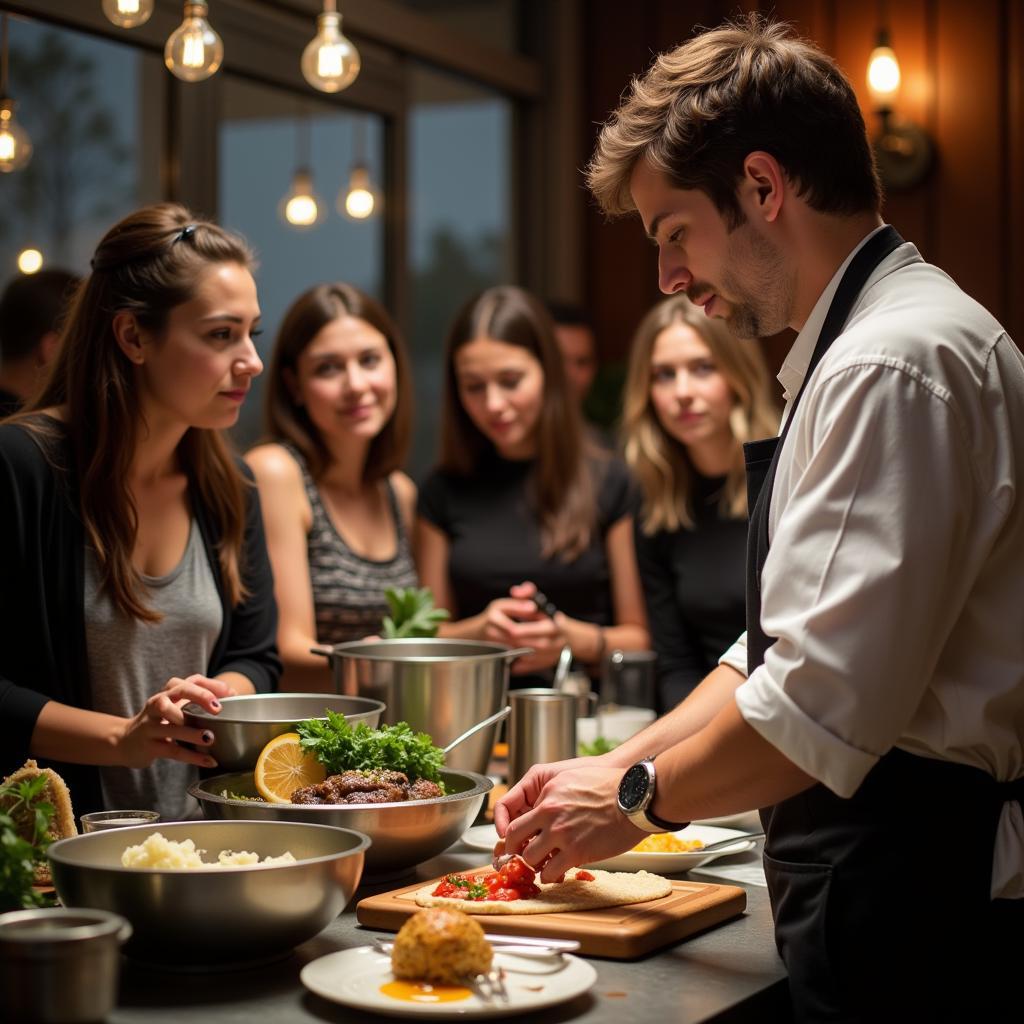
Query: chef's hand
(158, 728)
(566, 814)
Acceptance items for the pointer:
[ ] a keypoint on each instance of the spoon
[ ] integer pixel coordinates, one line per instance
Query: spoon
(721, 844)
(562, 671)
(476, 728)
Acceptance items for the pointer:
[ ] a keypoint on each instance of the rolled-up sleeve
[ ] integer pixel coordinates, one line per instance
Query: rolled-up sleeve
(868, 568)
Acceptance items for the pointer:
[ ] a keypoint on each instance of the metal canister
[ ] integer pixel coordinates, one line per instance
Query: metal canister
(542, 728)
(60, 965)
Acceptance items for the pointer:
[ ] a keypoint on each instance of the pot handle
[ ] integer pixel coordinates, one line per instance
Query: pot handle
(324, 652)
(124, 933)
(517, 652)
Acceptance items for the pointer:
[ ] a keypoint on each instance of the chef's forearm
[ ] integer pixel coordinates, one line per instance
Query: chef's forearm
(689, 718)
(725, 768)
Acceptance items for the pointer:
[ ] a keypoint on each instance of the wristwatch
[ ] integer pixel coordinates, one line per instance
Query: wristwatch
(636, 794)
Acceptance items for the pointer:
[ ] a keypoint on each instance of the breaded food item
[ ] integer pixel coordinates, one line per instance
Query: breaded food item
(441, 945)
(55, 792)
(590, 891)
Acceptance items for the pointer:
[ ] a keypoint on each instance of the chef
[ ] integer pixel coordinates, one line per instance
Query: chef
(875, 705)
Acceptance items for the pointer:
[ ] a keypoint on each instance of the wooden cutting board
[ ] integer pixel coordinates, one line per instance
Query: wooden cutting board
(620, 933)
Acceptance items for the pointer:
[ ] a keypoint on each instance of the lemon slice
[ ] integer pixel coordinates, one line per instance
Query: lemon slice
(284, 767)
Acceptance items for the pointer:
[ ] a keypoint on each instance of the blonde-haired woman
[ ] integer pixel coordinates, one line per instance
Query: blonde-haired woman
(694, 394)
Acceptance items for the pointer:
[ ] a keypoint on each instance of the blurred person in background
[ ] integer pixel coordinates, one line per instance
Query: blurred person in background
(521, 501)
(576, 342)
(338, 509)
(135, 574)
(31, 309)
(694, 394)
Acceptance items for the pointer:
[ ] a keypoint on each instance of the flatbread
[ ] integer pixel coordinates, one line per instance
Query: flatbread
(608, 889)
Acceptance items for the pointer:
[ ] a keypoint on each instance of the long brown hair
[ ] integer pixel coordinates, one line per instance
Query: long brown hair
(562, 481)
(660, 462)
(147, 264)
(286, 420)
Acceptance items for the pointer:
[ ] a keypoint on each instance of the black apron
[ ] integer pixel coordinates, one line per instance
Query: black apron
(881, 901)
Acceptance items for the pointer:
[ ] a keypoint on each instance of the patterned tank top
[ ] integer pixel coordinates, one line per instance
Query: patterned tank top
(348, 589)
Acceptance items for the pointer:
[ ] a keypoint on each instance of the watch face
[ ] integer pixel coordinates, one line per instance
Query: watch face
(633, 787)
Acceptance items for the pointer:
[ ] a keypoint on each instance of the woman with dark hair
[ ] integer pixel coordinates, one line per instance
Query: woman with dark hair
(521, 502)
(694, 394)
(135, 573)
(337, 508)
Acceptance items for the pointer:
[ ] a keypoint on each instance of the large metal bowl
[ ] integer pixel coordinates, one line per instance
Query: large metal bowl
(439, 686)
(403, 834)
(219, 917)
(247, 724)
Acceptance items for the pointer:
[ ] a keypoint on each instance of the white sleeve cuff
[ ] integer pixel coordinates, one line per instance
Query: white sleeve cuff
(767, 708)
(736, 656)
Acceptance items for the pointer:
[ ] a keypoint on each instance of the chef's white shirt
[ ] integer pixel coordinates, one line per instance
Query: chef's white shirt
(895, 577)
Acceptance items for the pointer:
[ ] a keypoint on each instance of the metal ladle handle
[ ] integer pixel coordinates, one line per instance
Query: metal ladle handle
(476, 728)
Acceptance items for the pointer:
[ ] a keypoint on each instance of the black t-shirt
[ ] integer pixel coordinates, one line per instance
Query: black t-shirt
(495, 541)
(694, 583)
(10, 403)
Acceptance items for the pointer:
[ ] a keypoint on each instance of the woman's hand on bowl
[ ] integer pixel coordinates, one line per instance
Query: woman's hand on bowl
(158, 729)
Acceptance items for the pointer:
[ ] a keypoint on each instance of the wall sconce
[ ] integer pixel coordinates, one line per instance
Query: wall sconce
(903, 151)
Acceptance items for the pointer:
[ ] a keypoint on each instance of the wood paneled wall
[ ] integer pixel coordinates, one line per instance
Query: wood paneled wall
(963, 82)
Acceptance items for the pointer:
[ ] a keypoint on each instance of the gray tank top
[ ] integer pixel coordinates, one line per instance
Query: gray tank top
(129, 661)
(348, 589)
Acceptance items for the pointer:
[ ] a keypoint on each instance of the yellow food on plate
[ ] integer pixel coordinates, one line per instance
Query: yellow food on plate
(160, 852)
(441, 945)
(283, 767)
(666, 842)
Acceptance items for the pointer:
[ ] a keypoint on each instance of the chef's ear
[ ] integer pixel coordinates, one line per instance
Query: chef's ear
(128, 336)
(762, 187)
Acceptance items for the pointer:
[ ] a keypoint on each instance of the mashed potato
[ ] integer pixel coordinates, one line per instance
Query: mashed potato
(158, 852)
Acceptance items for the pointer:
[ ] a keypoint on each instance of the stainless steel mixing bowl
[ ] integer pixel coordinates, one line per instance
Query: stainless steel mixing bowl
(248, 723)
(403, 834)
(439, 686)
(221, 916)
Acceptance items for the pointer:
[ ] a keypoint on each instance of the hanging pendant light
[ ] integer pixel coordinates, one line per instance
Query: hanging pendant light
(15, 145)
(359, 199)
(128, 13)
(330, 62)
(299, 206)
(194, 51)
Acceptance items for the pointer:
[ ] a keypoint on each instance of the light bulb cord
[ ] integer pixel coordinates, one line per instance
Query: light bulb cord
(330, 6)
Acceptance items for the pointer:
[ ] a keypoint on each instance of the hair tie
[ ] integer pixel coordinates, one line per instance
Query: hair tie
(186, 233)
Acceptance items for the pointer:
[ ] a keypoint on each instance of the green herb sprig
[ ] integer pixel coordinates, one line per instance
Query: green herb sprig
(22, 811)
(600, 745)
(412, 613)
(341, 747)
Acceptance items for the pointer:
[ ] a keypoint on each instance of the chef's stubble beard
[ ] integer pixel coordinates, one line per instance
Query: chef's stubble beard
(765, 306)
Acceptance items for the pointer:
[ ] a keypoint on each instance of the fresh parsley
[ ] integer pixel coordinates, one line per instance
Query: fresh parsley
(24, 836)
(341, 747)
(599, 746)
(412, 613)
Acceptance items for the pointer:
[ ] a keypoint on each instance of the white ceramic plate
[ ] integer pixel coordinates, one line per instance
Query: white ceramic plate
(672, 863)
(353, 977)
(481, 837)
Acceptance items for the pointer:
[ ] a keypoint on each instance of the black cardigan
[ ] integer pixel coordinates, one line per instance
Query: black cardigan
(42, 603)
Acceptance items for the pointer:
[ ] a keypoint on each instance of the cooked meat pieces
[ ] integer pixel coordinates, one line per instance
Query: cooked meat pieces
(424, 789)
(380, 787)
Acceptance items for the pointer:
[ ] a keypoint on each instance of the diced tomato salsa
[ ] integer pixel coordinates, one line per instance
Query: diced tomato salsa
(515, 881)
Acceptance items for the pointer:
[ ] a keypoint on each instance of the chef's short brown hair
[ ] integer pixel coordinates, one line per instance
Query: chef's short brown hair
(748, 85)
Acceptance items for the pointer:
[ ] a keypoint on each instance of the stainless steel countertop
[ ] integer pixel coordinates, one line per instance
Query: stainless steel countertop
(730, 973)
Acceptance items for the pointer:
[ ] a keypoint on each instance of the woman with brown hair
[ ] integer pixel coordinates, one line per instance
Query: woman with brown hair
(338, 510)
(135, 571)
(694, 394)
(521, 502)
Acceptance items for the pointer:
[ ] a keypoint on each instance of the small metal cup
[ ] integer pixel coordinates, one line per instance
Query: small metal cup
(98, 821)
(542, 728)
(60, 966)
(628, 679)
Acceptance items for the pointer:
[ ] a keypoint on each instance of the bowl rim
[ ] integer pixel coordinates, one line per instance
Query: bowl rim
(198, 711)
(364, 650)
(364, 842)
(482, 784)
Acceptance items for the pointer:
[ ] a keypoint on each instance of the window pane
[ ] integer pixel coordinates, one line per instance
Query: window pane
(262, 143)
(460, 146)
(93, 111)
